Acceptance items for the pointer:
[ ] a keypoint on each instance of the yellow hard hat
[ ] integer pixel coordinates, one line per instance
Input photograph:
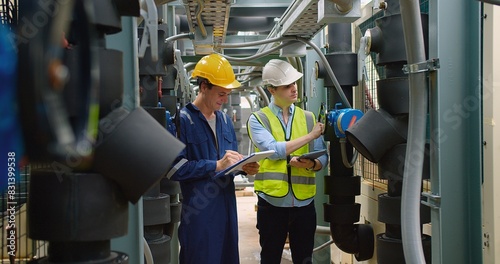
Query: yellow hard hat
(217, 70)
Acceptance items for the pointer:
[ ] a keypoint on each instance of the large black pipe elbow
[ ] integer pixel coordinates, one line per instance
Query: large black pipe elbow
(356, 239)
(345, 237)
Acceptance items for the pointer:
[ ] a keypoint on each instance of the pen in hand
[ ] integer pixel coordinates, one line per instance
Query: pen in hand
(230, 158)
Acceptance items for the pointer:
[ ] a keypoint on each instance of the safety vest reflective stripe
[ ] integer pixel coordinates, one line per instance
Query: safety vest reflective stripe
(271, 176)
(303, 180)
(188, 116)
(283, 177)
(175, 168)
(224, 116)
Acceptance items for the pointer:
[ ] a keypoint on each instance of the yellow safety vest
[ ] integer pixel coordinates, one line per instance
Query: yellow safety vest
(274, 176)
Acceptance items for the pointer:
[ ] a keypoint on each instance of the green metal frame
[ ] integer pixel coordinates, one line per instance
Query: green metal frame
(455, 131)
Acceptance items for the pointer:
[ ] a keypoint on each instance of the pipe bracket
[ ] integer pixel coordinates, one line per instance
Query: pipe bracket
(429, 65)
(433, 200)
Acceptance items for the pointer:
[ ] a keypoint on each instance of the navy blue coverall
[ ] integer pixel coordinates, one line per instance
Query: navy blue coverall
(208, 232)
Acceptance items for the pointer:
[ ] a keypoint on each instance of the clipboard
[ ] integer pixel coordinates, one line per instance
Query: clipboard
(313, 155)
(254, 157)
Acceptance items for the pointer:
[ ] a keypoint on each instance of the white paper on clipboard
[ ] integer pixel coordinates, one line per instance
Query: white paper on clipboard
(254, 157)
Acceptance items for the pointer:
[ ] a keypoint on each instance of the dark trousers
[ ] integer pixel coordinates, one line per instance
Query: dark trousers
(274, 223)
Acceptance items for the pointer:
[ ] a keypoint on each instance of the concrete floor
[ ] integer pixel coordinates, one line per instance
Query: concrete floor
(248, 233)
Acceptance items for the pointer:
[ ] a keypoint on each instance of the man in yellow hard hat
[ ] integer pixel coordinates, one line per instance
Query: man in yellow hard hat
(285, 184)
(208, 232)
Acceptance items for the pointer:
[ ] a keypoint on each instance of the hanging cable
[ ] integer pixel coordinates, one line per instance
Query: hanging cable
(300, 82)
(258, 55)
(324, 245)
(343, 148)
(148, 256)
(199, 10)
(412, 177)
(263, 95)
(180, 36)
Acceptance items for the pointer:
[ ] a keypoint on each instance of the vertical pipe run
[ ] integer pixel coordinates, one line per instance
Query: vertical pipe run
(342, 211)
(339, 37)
(410, 200)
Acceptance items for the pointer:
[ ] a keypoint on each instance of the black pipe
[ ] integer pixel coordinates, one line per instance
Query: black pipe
(339, 37)
(342, 186)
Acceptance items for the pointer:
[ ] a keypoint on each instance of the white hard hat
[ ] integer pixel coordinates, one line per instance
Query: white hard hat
(279, 72)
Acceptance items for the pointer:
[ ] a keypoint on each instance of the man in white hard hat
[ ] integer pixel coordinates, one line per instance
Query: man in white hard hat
(285, 185)
(208, 232)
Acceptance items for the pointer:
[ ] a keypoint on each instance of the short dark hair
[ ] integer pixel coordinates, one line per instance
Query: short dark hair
(201, 80)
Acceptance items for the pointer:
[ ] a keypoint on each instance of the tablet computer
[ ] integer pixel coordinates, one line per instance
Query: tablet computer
(254, 157)
(313, 155)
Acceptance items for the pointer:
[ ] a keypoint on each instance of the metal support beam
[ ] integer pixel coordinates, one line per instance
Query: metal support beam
(491, 144)
(455, 131)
